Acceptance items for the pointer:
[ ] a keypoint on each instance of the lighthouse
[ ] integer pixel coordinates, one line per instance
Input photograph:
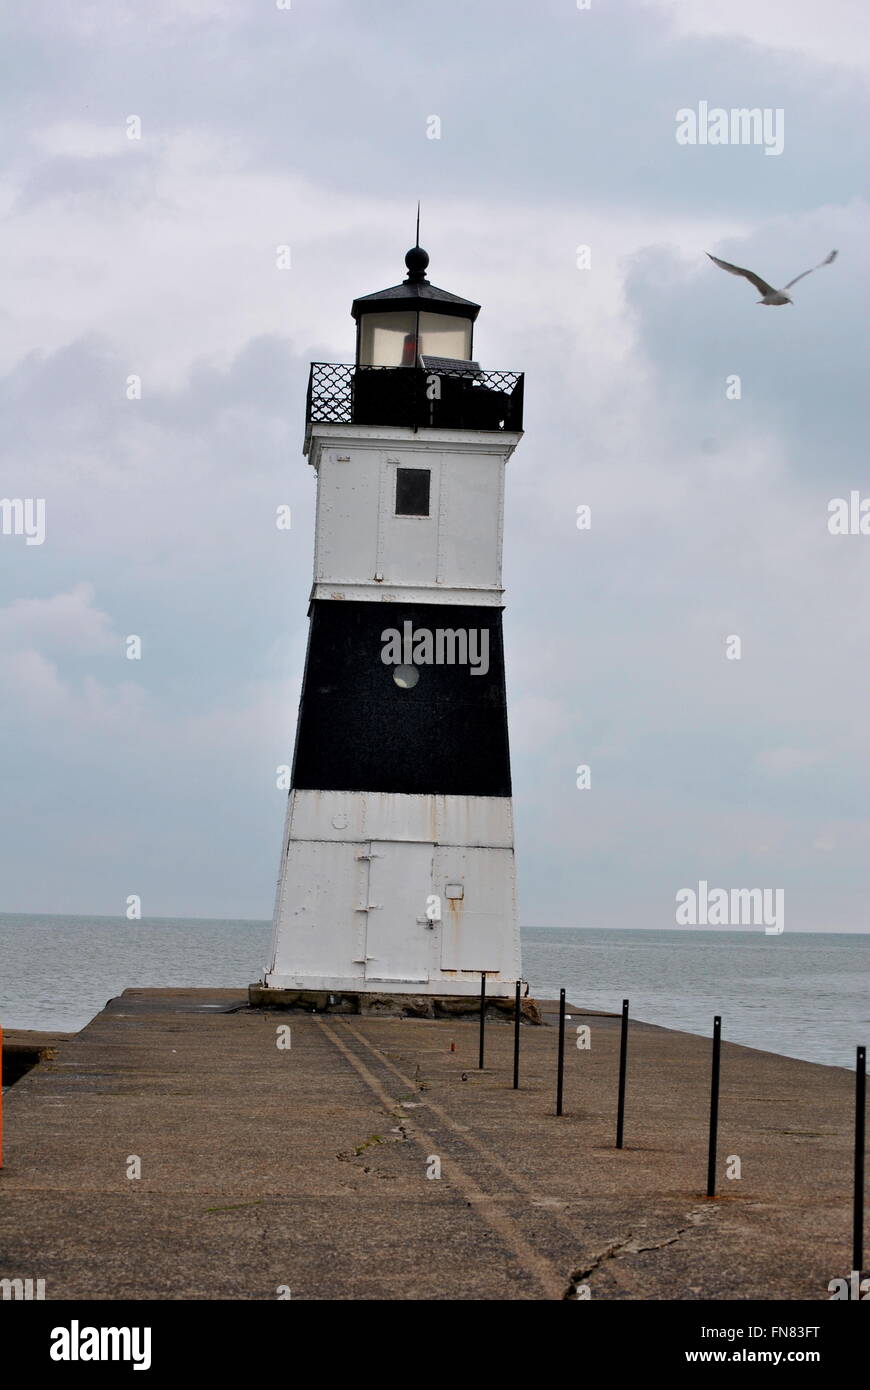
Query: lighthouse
(397, 867)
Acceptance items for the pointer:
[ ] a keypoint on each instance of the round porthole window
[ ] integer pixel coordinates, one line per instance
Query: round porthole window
(406, 677)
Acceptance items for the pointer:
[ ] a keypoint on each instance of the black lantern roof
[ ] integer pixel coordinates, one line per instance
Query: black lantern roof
(415, 293)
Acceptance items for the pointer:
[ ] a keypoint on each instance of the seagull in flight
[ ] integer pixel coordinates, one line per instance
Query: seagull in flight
(768, 294)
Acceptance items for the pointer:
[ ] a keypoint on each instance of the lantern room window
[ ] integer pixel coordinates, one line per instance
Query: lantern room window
(385, 339)
(401, 339)
(444, 335)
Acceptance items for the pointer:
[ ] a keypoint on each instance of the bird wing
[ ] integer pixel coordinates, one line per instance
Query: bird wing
(826, 261)
(757, 281)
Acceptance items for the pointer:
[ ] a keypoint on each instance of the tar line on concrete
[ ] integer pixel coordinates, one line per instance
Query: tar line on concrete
(363, 1158)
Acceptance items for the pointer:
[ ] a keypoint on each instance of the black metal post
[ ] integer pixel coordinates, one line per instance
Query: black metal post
(561, 1064)
(517, 1007)
(482, 1017)
(858, 1208)
(623, 1056)
(714, 1107)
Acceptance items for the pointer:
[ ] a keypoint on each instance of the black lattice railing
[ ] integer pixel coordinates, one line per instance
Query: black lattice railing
(414, 397)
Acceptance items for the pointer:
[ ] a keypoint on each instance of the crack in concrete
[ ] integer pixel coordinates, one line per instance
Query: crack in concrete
(401, 1133)
(629, 1246)
(581, 1275)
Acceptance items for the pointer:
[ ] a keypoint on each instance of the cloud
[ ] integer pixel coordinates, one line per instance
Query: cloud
(786, 760)
(69, 620)
(81, 140)
(834, 33)
(37, 638)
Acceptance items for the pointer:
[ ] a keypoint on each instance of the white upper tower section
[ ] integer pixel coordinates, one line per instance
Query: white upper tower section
(409, 517)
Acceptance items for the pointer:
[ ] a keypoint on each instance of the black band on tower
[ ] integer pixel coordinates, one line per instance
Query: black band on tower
(361, 730)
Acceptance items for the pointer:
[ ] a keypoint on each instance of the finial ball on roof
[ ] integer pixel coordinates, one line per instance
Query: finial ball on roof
(417, 261)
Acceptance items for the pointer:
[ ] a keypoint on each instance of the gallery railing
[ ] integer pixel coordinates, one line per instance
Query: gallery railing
(414, 397)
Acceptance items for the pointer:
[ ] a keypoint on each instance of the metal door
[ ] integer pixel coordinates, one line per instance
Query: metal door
(399, 936)
(317, 933)
(477, 890)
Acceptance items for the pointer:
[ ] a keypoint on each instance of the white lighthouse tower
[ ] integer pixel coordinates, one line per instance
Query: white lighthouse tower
(397, 867)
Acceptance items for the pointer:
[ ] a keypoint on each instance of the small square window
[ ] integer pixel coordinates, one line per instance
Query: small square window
(412, 491)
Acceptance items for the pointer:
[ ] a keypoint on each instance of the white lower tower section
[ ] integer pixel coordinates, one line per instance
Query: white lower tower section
(355, 909)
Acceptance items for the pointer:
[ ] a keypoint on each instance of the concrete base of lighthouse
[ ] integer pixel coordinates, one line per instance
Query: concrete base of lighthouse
(390, 1005)
(389, 894)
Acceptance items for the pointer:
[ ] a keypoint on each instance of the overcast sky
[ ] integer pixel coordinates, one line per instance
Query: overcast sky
(307, 127)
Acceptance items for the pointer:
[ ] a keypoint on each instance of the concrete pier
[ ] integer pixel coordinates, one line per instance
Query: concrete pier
(267, 1168)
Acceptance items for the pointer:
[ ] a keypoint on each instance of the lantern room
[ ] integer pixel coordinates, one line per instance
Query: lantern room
(414, 367)
(404, 325)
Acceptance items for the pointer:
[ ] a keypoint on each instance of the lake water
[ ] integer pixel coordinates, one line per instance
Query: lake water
(803, 994)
